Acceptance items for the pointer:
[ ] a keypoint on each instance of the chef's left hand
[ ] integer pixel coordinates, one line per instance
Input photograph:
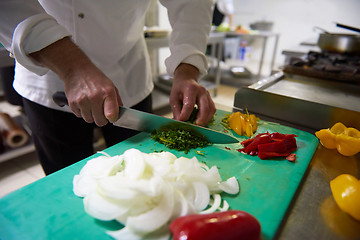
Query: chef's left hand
(186, 92)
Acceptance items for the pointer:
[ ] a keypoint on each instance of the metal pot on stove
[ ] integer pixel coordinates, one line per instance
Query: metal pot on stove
(338, 42)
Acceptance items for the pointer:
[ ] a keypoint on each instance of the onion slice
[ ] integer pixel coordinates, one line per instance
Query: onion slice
(145, 192)
(230, 186)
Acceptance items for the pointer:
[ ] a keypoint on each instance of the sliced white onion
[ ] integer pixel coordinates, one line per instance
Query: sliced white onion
(202, 196)
(225, 206)
(116, 187)
(102, 166)
(230, 186)
(98, 207)
(214, 206)
(155, 218)
(104, 153)
(145, 192)
(95, 169)
(83, 185)
(183, 207)
(134, 164)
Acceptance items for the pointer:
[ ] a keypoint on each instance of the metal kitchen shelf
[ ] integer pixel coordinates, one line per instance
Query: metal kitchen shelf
(17, 152)
(264, 36)
(215, 40)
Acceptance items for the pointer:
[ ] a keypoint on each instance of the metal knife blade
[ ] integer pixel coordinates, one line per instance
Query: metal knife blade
(147, 122)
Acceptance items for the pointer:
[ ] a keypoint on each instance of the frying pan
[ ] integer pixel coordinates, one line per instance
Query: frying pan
(338, 42)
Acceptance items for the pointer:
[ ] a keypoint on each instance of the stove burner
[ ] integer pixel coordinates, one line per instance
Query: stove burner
(327, 65)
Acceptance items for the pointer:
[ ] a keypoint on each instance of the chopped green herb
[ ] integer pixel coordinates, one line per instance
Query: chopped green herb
(193, 115)
(179, 138)
(158, 151)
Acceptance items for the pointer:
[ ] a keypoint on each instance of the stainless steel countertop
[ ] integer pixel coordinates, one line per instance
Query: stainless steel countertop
(313, 213)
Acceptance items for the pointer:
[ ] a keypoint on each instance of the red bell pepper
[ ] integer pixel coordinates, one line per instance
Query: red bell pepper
(291, 157)
(259, 139)
(230, 225)
(267, 145)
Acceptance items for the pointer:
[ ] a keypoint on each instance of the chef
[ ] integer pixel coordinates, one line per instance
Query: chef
(96, 53)
(223, 12)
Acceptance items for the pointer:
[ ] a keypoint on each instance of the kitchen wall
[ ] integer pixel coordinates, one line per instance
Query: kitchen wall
(294, 20)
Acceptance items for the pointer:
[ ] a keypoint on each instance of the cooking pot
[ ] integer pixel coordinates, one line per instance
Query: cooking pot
(339, 42)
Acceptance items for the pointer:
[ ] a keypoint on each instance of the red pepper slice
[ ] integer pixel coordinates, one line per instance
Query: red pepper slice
(268, 145)
(259, 139)
(273, 149)
(291, 157)
(277, 135)
(246, 142)
(230, 225)
(276, 147)
(290, 143)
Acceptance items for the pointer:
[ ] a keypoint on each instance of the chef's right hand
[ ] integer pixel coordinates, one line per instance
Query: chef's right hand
(91, 95)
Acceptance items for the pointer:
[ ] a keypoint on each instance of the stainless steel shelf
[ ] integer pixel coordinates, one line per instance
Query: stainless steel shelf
(14, 153)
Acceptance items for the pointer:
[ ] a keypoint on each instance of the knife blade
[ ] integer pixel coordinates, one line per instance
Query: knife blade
(147, 122)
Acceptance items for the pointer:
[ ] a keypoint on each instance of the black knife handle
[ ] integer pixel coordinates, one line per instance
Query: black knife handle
(60, 99)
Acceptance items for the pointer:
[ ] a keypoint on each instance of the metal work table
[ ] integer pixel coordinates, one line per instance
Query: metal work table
(311, 105)
(264, 35)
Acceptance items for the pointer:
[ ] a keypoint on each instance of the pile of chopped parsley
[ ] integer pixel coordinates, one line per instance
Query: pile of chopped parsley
(179, 138)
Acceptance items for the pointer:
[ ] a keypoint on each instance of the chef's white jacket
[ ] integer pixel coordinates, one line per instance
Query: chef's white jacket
(226, 7)
(110, 32)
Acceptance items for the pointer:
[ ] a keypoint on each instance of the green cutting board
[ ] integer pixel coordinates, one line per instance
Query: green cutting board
(48, 209)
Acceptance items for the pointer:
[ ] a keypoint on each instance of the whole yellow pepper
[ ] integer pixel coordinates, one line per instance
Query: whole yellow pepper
(346, 192)
(345, 140)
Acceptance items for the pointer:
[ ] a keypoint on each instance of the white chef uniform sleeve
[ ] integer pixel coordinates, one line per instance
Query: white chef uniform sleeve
(33, 30)
(191, 23)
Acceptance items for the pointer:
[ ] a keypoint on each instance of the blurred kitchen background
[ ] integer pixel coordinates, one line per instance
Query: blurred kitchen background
(269, 34)
(293, 20)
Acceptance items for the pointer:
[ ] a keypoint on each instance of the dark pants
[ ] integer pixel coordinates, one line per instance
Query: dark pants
(218, 17)
(62, 139)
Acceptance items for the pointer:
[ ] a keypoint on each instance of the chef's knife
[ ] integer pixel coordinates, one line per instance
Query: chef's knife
(147, 122)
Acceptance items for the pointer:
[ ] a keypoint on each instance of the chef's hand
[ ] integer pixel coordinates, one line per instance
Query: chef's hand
(186, 92)
(91, 95)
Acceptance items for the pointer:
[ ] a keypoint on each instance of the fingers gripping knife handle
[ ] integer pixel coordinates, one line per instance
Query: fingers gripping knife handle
(60, 99)
(147, 122)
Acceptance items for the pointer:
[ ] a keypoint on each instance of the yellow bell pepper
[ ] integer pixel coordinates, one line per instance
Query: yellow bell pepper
(345, 140)
(242, 124)
(346, 192)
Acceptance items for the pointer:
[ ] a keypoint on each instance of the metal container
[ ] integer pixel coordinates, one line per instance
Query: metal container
(340, 43)
(262, 26)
